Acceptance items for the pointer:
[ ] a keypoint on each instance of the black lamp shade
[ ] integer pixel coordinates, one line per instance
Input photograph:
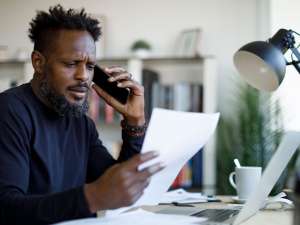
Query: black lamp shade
(261, 64)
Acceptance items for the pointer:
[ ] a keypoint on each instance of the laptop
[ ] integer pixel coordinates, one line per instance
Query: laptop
(237, 214)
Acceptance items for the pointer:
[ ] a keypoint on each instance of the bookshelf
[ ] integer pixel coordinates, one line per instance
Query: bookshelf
(172, 71)
(177, 74)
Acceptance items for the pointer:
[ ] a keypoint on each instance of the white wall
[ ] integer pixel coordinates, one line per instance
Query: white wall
(226, 25)
(287, 16)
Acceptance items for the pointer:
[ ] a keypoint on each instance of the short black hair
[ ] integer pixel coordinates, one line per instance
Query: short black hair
(45, 23)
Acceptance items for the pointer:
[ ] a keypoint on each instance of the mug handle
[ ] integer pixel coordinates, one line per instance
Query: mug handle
(231, 181)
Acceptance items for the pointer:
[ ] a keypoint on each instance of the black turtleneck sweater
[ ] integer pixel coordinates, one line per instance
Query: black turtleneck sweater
(45, 160)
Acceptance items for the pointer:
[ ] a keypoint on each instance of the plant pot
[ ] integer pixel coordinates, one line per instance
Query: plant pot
(141, 53)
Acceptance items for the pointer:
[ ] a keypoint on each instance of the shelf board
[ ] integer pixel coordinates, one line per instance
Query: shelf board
(125, 59)
(156, 59)
(13, 62)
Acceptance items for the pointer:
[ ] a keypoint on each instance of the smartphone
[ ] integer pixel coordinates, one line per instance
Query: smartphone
(101, 79)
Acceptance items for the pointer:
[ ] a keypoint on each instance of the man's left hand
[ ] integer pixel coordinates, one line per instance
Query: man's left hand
(133, 110)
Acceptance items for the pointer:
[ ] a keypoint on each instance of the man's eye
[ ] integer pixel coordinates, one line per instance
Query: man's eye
(70, 64)
(90, 67)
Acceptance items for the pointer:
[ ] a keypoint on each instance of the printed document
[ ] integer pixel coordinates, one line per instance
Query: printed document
(140, 217)
(177, 136)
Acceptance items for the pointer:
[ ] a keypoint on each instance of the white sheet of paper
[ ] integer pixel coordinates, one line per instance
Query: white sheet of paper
(278, 162)
(143, 217)
(177, 136)
(182, 196)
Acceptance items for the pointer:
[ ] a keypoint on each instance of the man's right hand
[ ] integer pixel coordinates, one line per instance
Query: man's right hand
(122, 184)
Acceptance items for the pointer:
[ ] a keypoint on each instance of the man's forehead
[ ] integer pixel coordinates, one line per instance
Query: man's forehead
(73, 42)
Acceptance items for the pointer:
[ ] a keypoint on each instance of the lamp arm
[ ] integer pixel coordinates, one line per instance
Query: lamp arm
(295, 63)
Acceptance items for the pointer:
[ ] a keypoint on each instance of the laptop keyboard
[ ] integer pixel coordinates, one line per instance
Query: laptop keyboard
(217, 215)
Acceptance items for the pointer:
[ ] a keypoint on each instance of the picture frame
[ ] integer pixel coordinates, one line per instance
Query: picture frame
(187, 43)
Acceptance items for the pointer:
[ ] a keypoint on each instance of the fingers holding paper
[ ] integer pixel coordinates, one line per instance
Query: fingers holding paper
(122, 184)
(134, 180)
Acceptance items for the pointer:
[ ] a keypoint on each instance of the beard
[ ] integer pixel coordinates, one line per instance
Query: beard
(60, 104)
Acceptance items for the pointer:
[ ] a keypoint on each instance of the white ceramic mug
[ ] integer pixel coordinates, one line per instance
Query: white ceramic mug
(245, 181)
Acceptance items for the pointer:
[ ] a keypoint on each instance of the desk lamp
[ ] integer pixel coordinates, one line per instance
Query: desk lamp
(262, 64)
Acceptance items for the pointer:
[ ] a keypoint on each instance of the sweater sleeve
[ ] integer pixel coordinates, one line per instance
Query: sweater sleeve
(99, 157)
(19, 208)
(16, 205)
(131, 146)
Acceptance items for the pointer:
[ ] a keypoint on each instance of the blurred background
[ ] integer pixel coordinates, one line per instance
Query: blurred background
(181, 51)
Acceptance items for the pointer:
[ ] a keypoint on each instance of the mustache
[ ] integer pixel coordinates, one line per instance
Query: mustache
(82, 87)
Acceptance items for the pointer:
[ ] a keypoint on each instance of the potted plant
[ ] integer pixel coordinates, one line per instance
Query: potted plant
(141, 48)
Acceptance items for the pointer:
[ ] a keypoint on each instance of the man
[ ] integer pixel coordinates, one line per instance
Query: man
(53, 167)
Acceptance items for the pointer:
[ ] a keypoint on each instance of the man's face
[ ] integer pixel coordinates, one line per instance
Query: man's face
(69, 65)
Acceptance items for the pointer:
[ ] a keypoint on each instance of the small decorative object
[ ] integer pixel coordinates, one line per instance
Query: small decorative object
(141, 48)
(187, 44)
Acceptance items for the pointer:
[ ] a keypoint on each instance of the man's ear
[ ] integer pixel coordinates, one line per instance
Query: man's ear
(38, 62)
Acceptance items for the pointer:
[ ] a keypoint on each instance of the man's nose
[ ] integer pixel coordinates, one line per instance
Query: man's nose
(82, 73)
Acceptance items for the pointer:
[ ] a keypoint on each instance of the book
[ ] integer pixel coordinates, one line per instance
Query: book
(109, 114)
(94, 103)
(155, 99)
(168, 97)
(196, 98)
(182, 96)
(149, 77)
(184, 178)
(196, 167)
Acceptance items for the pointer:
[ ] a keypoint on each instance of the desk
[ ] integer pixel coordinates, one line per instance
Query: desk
(264, 217)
